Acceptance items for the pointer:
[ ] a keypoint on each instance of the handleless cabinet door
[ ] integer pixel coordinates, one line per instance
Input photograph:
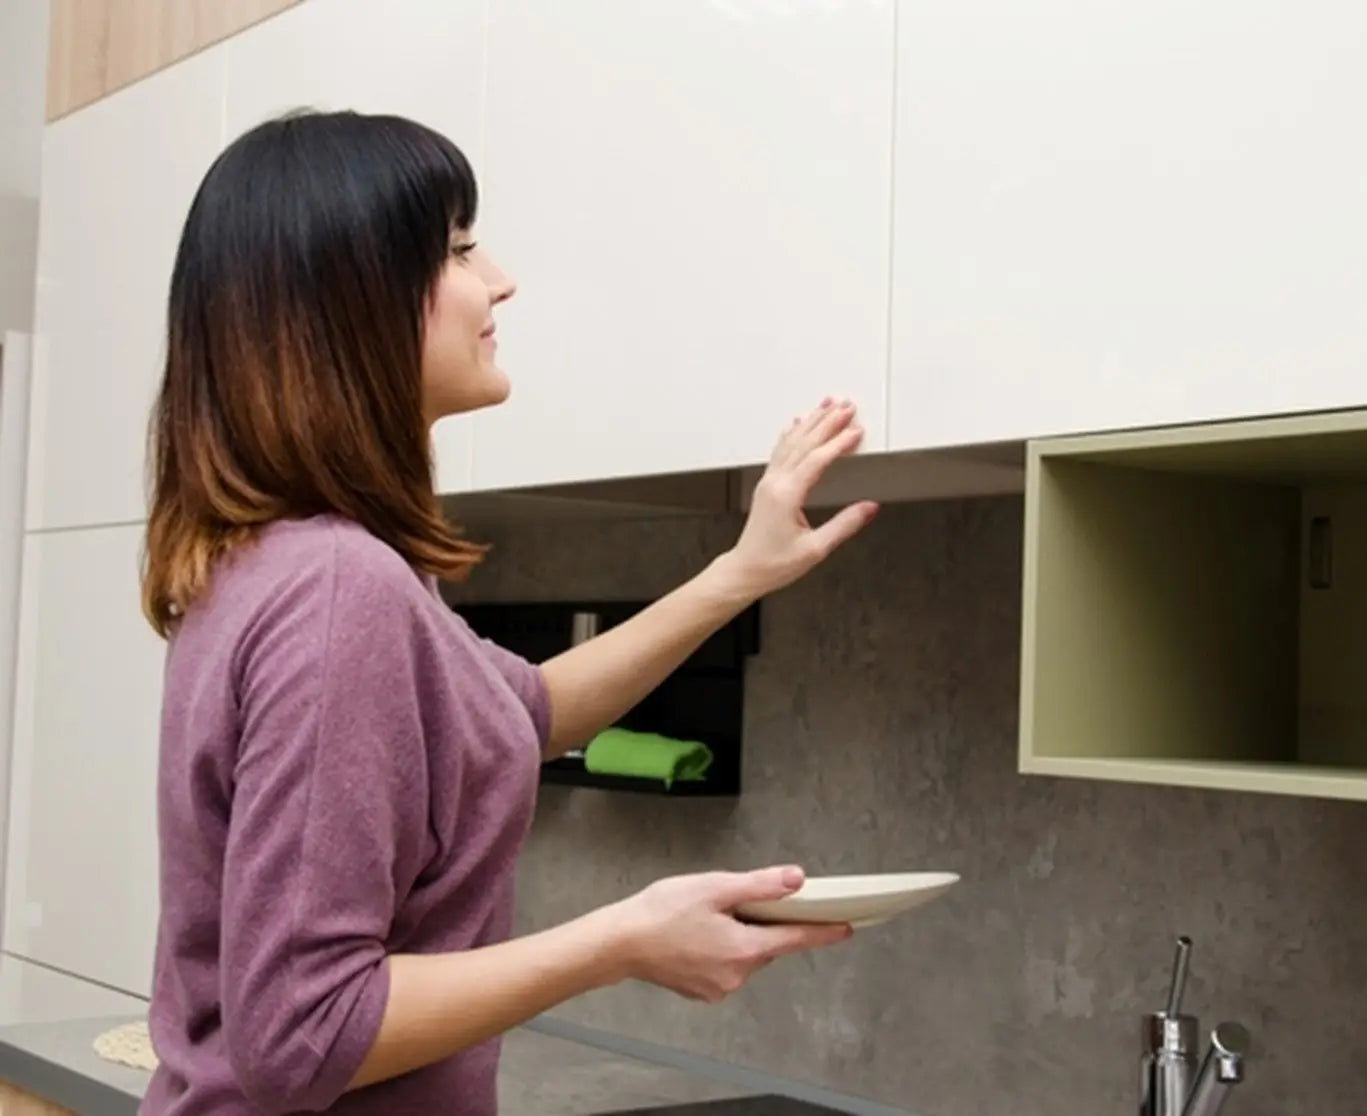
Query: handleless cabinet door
(693, 198)
(422, 59)
(117, 181)
(1114, 215)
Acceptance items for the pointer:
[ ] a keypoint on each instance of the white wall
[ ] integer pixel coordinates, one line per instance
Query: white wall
(23, 71)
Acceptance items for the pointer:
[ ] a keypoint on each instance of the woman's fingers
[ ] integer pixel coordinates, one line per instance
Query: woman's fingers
(808, 430)
(830, 424)
(816, 414)
(784, 939)
(816, 461)
(783, 447)
(811, 436)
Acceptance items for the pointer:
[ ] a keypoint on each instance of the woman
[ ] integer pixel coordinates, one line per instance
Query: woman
(347, 771)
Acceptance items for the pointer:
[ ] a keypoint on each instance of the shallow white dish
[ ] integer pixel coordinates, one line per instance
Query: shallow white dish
(859, 900)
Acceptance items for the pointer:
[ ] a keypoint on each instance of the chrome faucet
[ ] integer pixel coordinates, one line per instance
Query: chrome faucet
(1171, 1084)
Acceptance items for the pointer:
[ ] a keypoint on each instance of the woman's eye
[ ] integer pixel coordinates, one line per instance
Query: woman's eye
(460, 251)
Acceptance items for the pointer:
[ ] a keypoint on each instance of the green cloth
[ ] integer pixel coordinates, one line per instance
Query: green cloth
(646, 755)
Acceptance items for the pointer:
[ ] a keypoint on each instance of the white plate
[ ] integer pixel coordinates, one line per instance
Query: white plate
(859, 900)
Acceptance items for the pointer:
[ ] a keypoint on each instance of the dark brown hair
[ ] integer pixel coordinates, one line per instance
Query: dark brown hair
(293, 383)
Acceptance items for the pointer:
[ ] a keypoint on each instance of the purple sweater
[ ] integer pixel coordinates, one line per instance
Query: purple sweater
(347, 771)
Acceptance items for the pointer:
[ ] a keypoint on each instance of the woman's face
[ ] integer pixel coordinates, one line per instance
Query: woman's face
(459, 354)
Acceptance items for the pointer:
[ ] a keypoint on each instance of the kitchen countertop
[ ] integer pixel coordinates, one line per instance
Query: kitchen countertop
(544, 1075)
(738, 1106)
(57, 1061)
(541, 1075)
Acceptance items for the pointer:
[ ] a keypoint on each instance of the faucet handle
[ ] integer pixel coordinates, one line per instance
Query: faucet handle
(1221, 1070)
(1230, 1044)
(1179, 977)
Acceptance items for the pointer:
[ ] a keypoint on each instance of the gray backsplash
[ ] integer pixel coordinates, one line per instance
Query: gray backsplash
(881, 735)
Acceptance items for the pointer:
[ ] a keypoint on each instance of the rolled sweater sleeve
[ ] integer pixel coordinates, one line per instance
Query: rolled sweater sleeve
(327, 814)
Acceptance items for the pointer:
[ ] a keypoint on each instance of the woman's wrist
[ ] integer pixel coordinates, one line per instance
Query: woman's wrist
(614, 939)
(731, 583)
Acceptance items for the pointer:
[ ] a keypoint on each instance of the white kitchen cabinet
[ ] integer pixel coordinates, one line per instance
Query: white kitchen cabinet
(1112, 215)
(694, 199)
(81, 870)
(117, 180)
(422, 59)
(33, 994)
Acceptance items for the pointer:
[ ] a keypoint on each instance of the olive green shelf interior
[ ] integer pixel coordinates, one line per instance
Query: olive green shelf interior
(1195, 606)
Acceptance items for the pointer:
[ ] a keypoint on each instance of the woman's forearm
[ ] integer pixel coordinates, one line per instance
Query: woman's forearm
(594, 683)
(440, 1004)
(679, 934)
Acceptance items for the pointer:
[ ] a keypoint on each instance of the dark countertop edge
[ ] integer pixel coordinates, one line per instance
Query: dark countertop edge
(33, 1058)
(753, 1082)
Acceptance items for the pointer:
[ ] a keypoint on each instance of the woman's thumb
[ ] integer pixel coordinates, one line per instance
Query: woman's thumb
(761, 885)
(843, 526)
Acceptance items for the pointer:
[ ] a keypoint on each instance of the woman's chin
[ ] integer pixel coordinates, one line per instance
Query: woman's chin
(493, 388)
(500, 387)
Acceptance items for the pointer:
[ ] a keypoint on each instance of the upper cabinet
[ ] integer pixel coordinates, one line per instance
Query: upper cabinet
(694, 200)
(418, 58)
(117, 181)
(1117, 215)
(983, 223)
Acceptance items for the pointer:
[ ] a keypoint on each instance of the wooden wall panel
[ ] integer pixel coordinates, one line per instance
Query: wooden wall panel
(98, 46)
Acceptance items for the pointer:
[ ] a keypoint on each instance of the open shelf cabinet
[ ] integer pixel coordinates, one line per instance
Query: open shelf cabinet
(701, 699)
(1195, 606)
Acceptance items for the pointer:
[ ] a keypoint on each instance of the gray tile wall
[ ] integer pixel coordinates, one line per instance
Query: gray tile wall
(881, 735)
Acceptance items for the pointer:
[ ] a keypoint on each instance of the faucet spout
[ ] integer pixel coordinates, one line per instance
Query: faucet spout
(1221, 1070)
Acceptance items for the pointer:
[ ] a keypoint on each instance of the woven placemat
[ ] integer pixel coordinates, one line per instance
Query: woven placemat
(128, 1045)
